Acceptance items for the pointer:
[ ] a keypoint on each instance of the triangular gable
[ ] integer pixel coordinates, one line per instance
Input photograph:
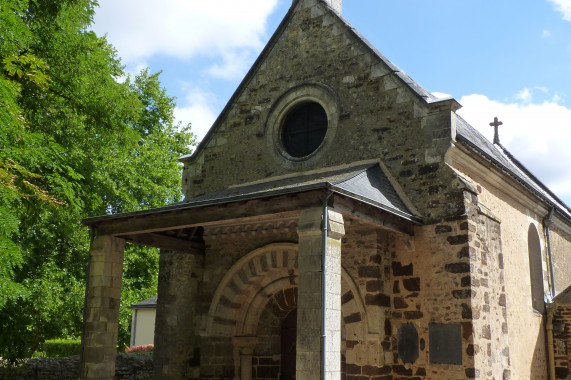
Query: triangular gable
(400, 74)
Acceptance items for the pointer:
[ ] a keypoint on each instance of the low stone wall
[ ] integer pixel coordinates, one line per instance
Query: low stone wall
(127, 366)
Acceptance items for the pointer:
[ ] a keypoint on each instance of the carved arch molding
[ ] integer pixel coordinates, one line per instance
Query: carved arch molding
(262, 275)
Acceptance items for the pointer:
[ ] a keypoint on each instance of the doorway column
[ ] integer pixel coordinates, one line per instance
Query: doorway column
(101, 313)
(244, 349)
(314, 291)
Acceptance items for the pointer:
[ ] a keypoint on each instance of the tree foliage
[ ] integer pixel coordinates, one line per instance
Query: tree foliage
(75, 141)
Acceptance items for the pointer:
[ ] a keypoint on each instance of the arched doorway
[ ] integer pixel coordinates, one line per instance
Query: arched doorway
(288, 335)
(256, 304)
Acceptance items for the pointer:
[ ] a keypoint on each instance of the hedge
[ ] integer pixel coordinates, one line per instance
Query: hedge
(61, 348)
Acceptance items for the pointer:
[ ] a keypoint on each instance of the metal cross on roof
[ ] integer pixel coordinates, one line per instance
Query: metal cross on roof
(496, 123)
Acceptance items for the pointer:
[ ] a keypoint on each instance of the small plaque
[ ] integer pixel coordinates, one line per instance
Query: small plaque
(445, 343)
(408, 343)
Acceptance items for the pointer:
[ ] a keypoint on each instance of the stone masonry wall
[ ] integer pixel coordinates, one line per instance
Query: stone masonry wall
(562, 341)
(366, 288)
(380, 117)
(516, 212)
(487, 293)
(449, 274)
(441, 276)
(431, 285)
(127, 367)
(367, 336)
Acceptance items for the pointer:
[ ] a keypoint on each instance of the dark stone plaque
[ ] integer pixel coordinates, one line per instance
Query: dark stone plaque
(445, 343)
(408, 343)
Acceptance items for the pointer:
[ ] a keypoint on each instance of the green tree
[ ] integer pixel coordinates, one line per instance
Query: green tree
(74, 142)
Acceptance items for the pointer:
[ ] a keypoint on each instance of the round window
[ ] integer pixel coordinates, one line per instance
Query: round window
(304, 129)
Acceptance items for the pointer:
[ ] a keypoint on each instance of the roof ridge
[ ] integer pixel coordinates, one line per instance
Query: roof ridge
(361, 171)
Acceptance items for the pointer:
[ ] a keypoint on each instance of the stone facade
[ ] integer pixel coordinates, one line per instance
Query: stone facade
(420, 273)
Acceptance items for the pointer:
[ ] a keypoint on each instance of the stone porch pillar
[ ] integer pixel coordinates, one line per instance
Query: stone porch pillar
(177, 346)
(101, 313)
(311, 293)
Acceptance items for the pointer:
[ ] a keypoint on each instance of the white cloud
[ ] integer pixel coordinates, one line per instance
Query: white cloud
(545, 33)
(557, 98)
(564, 7)
(441, 95)
(524, 95)
(182, 29)
(197, 108)
(536, 134)
(234, 66)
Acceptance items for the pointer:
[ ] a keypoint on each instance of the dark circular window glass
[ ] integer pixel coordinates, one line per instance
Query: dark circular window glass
(304, 129)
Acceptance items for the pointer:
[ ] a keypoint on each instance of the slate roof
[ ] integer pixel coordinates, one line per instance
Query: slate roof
(365, 183)
(506, 162)
(145, 304)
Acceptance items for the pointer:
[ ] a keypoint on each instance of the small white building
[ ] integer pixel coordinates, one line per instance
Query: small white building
(143, 325)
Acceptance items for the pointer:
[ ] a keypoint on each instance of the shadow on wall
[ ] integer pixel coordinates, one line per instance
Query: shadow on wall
(538, 365)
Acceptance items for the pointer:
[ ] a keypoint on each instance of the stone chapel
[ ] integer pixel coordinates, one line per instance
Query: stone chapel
(340, 222)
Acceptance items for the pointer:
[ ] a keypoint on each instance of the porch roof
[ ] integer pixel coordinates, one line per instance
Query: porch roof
(366, 183)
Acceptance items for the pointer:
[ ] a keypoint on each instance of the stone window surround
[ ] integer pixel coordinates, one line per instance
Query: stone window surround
(305, 92)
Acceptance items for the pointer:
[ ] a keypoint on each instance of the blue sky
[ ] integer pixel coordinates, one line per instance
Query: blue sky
(508, 58)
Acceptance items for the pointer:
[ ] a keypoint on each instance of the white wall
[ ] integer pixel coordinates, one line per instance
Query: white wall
(143, 326)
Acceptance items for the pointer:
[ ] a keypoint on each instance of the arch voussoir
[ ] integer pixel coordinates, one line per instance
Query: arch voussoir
(247, 286)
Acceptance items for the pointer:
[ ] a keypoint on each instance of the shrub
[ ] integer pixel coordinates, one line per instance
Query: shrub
(141, 348)
(61, 348)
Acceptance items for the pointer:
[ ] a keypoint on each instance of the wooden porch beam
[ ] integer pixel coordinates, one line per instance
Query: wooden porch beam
(208, 215)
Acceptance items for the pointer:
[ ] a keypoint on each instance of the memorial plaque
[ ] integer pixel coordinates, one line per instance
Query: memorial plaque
(445, 343)
(408, 343)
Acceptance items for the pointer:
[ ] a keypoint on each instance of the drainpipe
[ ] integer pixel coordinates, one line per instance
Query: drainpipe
(550, 351)
(547, 222)
(325, 220)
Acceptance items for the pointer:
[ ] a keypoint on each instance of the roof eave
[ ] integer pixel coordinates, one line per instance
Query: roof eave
(95, 221)
(466, 142)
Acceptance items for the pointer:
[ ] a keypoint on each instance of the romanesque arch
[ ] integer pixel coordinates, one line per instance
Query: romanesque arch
(258, 293)
(252, 280)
